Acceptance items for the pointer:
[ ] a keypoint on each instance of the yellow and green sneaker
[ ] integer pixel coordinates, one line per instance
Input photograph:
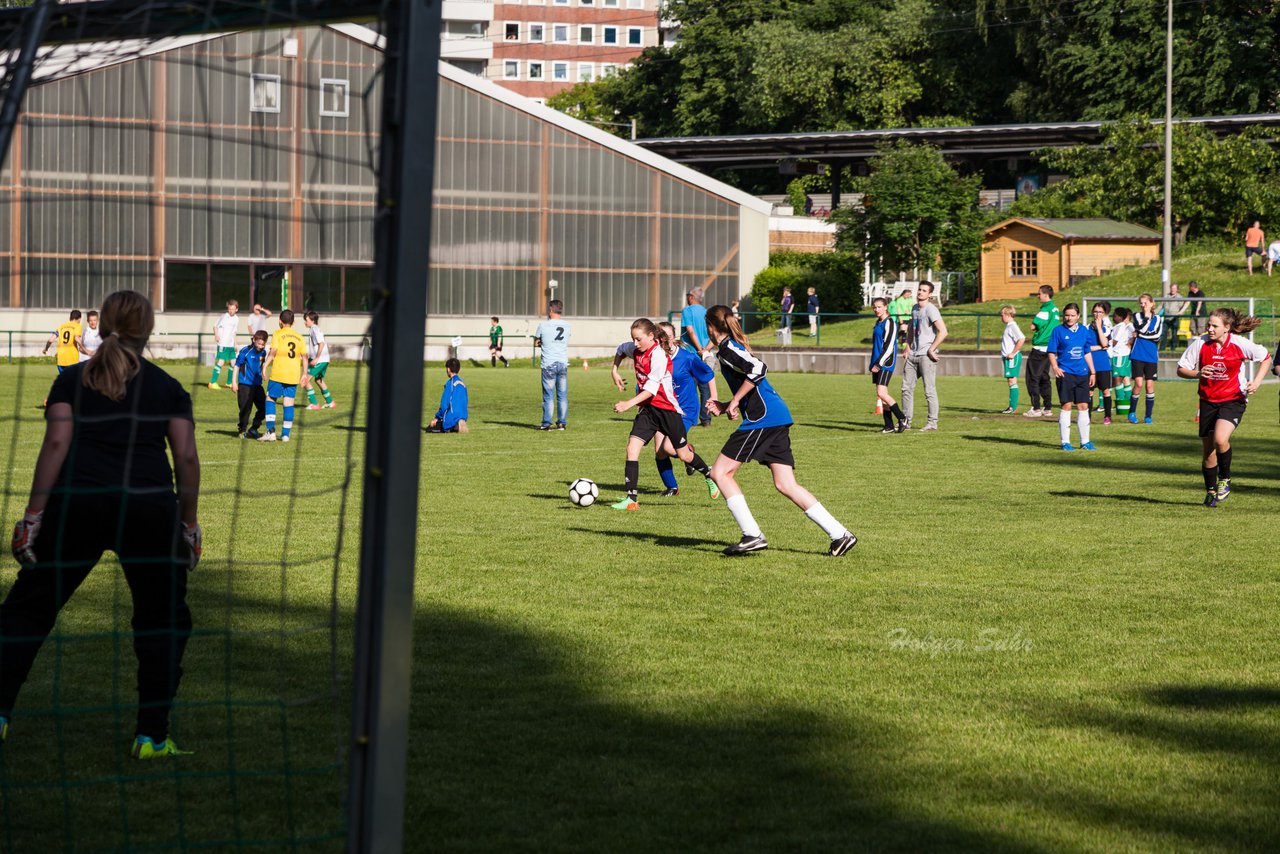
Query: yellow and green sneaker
(4, 729)
(145, 748)
(712, 489)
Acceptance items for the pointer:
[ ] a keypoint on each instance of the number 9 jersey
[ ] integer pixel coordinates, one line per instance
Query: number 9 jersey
(291, 350)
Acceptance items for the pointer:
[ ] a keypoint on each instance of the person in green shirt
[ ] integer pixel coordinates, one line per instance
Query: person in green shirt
(1042, 325)
(495, 344)
(900, 311)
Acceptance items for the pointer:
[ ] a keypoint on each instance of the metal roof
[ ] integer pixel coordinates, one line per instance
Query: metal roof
(857, 145)
(1094, 228)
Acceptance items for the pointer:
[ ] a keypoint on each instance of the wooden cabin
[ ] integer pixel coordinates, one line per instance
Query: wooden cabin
(1021, 254)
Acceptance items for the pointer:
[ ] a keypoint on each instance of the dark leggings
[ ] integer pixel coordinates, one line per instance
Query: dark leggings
(1038, 384)
(75, 533)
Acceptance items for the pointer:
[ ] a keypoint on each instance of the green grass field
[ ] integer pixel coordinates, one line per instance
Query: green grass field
(1027, 651)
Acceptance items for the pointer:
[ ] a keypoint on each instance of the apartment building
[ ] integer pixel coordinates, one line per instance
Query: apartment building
(540, 47)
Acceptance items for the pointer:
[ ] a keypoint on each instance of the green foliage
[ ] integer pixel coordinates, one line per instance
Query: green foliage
(836, 276)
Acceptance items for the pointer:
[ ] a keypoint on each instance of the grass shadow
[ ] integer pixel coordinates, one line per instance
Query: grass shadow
(668, 540)
(523, 425)
(848, 427)
(1141, 499)
(1006, 440)
(350, 428)
(231, 433)
(1214, 697)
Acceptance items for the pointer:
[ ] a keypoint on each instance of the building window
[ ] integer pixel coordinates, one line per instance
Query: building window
(635, 35)
(560, 33)
(586, 72)
(611, 3)
(609, 35)
(535, 70)
(560, 71)
(511, 69)
(335, 97)
(264, 93)
(1023, 263)
(561, 2)
(537, 32)
(586, 35)
(511, 32)
(635, 4)
(608, 69)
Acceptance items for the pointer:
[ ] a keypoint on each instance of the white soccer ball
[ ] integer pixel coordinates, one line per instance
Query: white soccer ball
(583, 492)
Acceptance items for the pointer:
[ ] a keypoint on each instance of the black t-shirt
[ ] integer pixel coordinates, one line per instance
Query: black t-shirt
(121, 443)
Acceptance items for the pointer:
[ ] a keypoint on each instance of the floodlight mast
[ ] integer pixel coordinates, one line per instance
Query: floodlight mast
(1167, 249)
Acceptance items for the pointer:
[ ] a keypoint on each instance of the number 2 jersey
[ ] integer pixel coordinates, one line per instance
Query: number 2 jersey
(1221, 379)
(762, 407)
(291, 350)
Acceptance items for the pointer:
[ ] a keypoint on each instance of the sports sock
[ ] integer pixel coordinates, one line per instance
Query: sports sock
(493, 361)
(631, 478)
(1106, 405)
(288, 421)
(1210, 475)
(699, 466)
(1013, 397)
(664, 471)
(1064, 425)
(1151, 404)
(826, 521)
(1082, 424)
(217, 369)
(504, 359)
(311, 396)
(1224, 464)
(888, 419)
(742, 515)
(328, 396)
(271, 415)
(898, 413)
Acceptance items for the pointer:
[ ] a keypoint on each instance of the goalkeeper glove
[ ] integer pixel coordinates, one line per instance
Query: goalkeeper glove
(24, 538)
(194, 538)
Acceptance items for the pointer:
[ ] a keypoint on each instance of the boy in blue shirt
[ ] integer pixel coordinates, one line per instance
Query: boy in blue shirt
(1070, 360)
(451, 417)
(246, 381)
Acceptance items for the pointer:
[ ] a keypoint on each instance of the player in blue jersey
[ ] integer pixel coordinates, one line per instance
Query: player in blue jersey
(1149, 326)
(1071, 361)
(764, 436)
(1101, 329)
(884, 361)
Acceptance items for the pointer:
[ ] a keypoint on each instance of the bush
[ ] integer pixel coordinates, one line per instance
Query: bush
(837, 277)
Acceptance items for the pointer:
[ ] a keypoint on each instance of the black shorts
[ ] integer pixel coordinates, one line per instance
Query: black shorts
(765, 445)
(1103, 380)
(651, 420)
(1211, 413)
(496, 348)
(881, 377)
(1143, 370)
(1073, 388)
(1252, 250)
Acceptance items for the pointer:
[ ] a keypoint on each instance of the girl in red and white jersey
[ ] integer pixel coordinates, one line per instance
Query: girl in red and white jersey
(659, 413)
(1217, 359)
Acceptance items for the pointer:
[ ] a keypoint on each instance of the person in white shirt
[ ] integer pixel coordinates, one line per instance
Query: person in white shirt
(1121, 369)
(224, 332)
(258, 320)
(91, 340)
(1011, 354)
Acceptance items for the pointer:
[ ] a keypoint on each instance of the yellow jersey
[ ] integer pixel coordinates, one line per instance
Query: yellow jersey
(68, 353)
(291, 349)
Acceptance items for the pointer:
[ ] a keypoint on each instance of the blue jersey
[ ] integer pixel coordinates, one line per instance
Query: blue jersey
(554, 335)
(1146, 346)
(249, 365)
(453, 403)
(1071, 345)
(763, 407)
(1101, 361)
(687, 371)
(884, 345)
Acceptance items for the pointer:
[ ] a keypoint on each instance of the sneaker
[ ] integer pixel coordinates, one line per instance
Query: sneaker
(1106, 420)
(1032, 413)
(747, 545)
(560, 425)
(671, 493)
(842, 544)
(269, 436)
(330, 405)
(214, 386)
(1224, 489)
(544, 427)
(889, 430)
(1211, 498)
(252, 434)
(712, 489)
(1147, 420)
(313, 406)
(929, 428)
(626, 504)
(1008, 410)
(284, 438)
(688, 469)
(1088, 446)
(1133, 418)
(1067, 446)
(902, 427)
(145, 748)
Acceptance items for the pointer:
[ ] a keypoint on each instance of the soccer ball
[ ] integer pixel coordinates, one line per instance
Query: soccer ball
(583, 492)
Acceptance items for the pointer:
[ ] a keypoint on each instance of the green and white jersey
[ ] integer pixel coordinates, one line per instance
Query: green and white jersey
(1046, 320)
(317, 350)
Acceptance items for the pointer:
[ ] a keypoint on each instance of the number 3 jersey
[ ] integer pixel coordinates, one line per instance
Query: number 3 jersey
(1220, 364)
(291, 349)
(762, 406)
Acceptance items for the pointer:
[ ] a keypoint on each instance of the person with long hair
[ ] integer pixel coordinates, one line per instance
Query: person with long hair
(884, 360)
(659, 412)
(1101, 329)
(1148, 328)
(1071, 360)
(763, 436)
(1216, 359)
(103, 482)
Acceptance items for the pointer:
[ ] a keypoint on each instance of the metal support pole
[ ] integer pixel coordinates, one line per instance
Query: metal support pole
(389, 524)
(1167, 249)
(36, 22)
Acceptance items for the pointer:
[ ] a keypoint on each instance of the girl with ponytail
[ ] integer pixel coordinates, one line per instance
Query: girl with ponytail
(764, 436)
(103, 482)
(1216, 359)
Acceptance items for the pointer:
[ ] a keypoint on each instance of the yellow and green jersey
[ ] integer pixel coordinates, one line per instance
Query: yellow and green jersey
(291, 352)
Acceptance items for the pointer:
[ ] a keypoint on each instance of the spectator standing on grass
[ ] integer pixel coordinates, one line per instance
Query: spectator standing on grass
(1174, 310)
(1198, 310)
(925, 334)
(1273, 254)
(813, 312)
(103, 482)
(1042, 325)
(553, 337)
(693, 331)
(788, 306)
(1254, 241)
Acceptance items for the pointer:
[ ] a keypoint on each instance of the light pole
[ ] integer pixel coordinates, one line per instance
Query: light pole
(1167, 254)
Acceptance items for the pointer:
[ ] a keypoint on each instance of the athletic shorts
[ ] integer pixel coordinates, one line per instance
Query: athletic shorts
(317, 372)
(62, 368)
(1103, 380)
(1144, 370)
(1252, 250)
(495, 348)
(651, 420)
(765, 445)
(225, 354)
(276, 390)
(1211, 413)
(1073, 388)
(1012, 366)
(1121, 367)
(881, 377)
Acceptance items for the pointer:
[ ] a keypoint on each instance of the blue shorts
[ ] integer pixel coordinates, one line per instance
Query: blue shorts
(277, 390)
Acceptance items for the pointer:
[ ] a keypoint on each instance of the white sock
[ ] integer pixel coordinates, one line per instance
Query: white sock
(742, 515)
(1082, 421)
(1064, 425)
(826, 521)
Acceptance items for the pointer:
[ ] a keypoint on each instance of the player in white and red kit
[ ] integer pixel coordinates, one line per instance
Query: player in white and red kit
(659, 410)
(1216, 359)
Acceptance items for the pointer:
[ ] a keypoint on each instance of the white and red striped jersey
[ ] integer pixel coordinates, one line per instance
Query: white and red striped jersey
(1221, 379)
(653, 373)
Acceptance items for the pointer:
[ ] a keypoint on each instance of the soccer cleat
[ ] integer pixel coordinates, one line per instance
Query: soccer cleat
(252, 434)
(269, 436)
(712, 489)
(1067, 446)
(902, 427)
(1106, 420)
(1147, 420)
(671, 493)
(313, 406)
(4, 729)
(1032, 413)
(214, 386)
(145, 748)
(842, 544)
(1133, 418)
(747, 545)
(1008, 411)
(1211, 498)
(1088, 446)
(889, 430)
(330, 405)
(284, 438)
(1224, 489)
(626, 504)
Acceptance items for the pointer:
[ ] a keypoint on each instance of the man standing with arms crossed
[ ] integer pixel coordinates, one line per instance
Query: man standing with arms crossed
(925, 334)
(553, 338)
(1042, 325)
(693, 329)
